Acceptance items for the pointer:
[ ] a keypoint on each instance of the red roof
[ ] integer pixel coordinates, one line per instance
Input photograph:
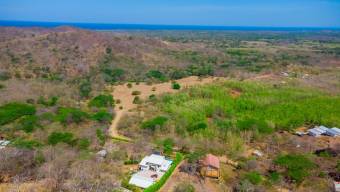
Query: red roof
(211, 160)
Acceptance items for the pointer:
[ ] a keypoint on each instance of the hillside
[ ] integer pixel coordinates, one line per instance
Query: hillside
(67, 94)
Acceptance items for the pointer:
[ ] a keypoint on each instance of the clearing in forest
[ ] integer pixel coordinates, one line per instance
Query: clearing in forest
(124, 94)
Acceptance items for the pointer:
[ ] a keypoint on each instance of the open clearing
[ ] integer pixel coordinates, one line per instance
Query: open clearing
(124, 94)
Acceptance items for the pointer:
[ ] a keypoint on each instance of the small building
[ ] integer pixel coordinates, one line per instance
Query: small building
(151, 169)
(333, 132)
(317, 131)
(3, 143)
(145, 179)
(210, 166)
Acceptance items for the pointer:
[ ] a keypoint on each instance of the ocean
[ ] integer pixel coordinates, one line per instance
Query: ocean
(102, 26)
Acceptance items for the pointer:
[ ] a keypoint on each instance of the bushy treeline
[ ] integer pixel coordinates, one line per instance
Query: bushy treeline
(47, 113)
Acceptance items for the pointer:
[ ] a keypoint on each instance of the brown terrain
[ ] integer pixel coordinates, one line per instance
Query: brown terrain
(124, 94)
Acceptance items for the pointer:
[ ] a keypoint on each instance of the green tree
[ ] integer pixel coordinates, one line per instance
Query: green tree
(100, 136)
(152, 124)
(84, 143)
(85, 89)
(176, 86)
(168, 146)
(12, 111)
(61, 137)
(298, 167)
(102, 101)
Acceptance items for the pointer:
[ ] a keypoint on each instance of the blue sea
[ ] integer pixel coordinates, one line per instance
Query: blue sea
(102, 26)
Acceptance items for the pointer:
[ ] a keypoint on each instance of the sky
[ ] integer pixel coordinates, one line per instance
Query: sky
(266, 13)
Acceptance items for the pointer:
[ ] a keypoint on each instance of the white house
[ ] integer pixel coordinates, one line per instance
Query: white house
(144, 179)
(151, 169)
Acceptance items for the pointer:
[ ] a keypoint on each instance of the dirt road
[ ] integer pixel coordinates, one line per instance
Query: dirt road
(124, 94)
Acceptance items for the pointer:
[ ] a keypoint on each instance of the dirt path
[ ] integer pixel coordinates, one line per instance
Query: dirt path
(124, 94)
(178, 177)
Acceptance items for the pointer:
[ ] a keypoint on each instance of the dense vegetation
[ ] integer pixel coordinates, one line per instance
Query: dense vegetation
(13, 111)
(260, 108)
(298, 166)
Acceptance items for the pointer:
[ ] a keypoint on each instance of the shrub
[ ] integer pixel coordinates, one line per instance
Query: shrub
(102, 101)
(2, 86)
(152, 97)
(25, 144)
(254, 125)
(137, 100)
(274, 177)
(4, 75)
(83, 144)
(100, 136)
(48, 103)
(102, 116)
(184, 187)
(152, 124)
(168, 146)
(297, 166)
(129, 85)
(70, 115)
(85, 88)
(61, 137)
(197, 127)
(113, 75)
(12, 111)
(176, 86)
(156, 186)
(178, 74)
(39, 158)
(136, 93)
(28, 123)
(254, 177)
(48, 116)
(156, 74)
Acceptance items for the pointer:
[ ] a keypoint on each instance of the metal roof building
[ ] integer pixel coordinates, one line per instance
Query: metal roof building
(317, 131)
(333, 132)
(3, 143)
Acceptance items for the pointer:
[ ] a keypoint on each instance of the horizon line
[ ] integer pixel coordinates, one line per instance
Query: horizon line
(164, 25)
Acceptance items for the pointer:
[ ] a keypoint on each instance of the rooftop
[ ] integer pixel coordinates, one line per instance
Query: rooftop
(211, 160)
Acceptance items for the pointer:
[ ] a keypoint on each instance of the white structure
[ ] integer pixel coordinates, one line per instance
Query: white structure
(3, 143)
(337, 186)
(156, 163)
(151, 169)
(317, 131)
(145, 179)
(333, 132)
